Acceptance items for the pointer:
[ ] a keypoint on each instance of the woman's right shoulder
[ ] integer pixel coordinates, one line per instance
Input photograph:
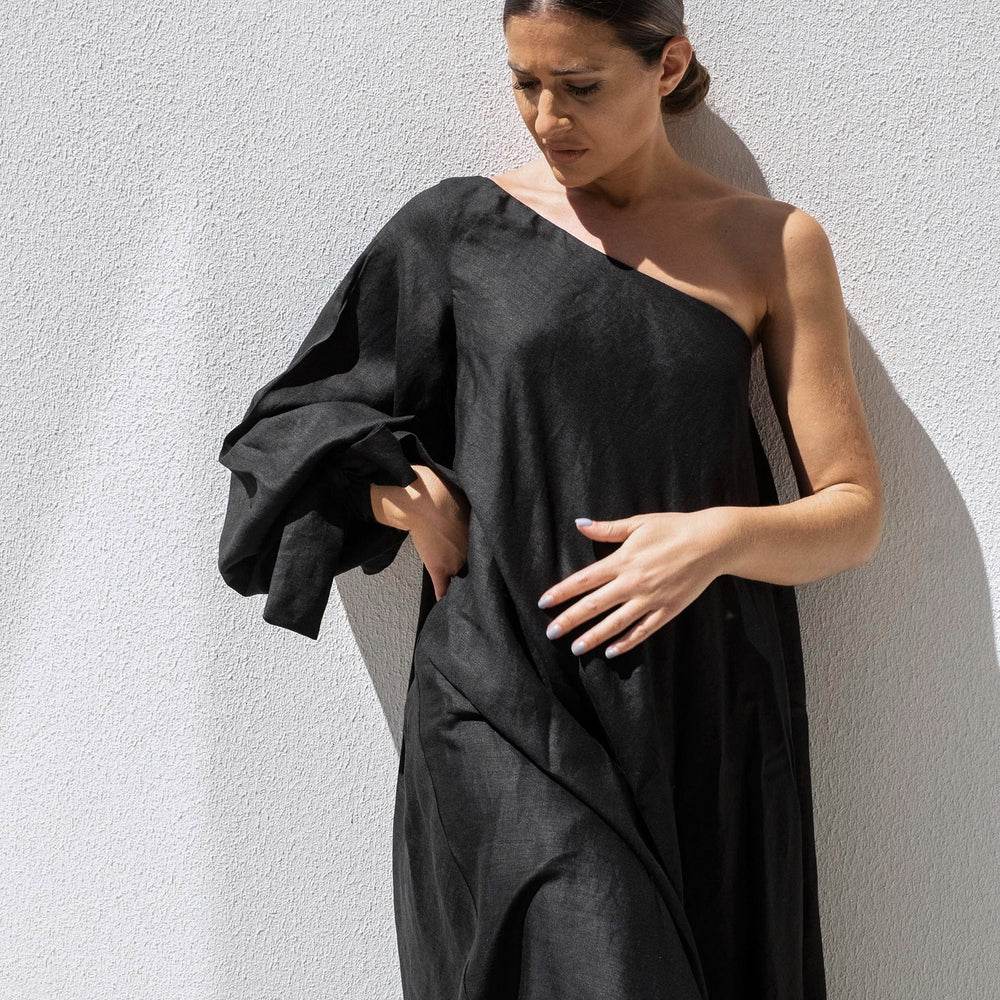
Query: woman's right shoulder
(428, 222)
(433, 209)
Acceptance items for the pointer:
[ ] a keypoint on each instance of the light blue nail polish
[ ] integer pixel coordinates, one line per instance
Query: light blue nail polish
(578, 647)
(545, 601)
(583, 521)
(611, 651)
(553, 631)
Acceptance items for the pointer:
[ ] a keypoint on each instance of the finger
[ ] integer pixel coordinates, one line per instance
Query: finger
(595, 574)
(440, 581)
(640, 631)
(607, 628)
(602, 599)
(607, 531)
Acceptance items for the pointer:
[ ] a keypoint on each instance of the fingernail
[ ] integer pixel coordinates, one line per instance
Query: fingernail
(578, 647)
(583, 521)
(553, 631)
(611, 651)
(545, 601)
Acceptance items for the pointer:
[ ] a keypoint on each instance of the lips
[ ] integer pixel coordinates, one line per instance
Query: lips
(565, 154)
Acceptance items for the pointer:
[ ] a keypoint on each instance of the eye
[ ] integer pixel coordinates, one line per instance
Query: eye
(578, 91)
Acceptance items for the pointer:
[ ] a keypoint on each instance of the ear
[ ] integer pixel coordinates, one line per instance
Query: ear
(674, 61)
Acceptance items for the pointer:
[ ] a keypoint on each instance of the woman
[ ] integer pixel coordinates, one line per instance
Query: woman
(604, 787)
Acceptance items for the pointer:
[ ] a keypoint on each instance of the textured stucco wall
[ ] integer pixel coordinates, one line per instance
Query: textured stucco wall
(198, 805)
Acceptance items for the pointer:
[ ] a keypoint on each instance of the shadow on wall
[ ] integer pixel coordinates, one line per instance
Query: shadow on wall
(903, 693)
(903, 699)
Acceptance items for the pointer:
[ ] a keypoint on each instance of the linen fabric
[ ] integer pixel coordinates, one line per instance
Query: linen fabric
(565, 826)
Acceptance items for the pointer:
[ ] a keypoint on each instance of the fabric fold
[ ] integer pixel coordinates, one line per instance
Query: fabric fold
(367, 396)
(565, 825)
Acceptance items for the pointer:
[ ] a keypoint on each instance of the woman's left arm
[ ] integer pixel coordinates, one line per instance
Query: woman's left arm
(667, 559)
(837, 522)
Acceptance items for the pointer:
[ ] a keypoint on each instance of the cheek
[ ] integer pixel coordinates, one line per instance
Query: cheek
(640, 111)
(638, 107)
(616, 125)
(525, 110)
(631, 123)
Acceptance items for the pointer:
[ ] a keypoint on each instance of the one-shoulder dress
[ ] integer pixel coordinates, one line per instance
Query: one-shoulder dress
(565, 827)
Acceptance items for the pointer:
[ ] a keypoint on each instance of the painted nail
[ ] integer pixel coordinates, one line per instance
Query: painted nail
(545, 601)
(554, 631)
(583, 521)
(611, 651)
(578, 647)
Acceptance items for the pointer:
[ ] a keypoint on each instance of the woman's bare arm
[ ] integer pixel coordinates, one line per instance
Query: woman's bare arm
(836, 524)
(436, 514)
(666, 559)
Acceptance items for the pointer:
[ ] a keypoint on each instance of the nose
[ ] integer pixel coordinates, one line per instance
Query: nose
(549, 120)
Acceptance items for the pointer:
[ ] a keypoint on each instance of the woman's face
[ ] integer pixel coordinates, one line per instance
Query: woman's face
(609, 106)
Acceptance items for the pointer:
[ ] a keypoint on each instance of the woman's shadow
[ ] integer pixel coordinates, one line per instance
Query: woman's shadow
(902, 682)
(901, 669)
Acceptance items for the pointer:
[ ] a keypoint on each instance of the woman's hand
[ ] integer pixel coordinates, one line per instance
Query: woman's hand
(664, 562)
(436, 514)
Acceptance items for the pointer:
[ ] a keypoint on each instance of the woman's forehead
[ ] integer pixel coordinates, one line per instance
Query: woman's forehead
(565, 41)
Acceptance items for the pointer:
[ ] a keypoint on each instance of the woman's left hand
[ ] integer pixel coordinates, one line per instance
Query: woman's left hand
(664, 562)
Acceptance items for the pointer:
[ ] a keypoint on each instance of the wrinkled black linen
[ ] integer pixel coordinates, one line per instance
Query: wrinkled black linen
(565, 827)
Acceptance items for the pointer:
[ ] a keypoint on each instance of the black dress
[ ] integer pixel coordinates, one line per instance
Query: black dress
(566, 827)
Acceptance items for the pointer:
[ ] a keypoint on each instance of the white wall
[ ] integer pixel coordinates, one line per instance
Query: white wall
(198, 805)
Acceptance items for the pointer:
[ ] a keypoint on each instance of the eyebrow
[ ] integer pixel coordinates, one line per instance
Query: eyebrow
(560, 72)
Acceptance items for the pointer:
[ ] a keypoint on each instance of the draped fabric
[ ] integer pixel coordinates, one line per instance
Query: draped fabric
(564, 826)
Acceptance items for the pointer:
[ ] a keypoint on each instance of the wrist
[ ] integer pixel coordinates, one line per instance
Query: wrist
(393, 505)
(730, 532)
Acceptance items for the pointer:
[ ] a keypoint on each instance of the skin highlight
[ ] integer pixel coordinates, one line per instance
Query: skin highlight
(765, 263)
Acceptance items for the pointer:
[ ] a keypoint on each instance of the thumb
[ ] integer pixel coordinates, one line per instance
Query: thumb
(606, 531)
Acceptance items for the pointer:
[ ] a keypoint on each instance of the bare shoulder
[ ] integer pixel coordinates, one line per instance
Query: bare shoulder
(798, 273)
(770, 232)
(533, 178)
(803, 330)
(789, 235)
(785, 250)
(751, 248)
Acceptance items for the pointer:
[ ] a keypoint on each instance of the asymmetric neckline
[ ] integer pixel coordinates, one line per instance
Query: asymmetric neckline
(540, 380)
(721, 313)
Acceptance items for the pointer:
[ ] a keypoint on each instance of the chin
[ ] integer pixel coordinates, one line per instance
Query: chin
(572, 172)
(572, 179)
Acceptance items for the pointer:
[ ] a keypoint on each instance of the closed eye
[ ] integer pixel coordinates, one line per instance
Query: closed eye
(578, 91)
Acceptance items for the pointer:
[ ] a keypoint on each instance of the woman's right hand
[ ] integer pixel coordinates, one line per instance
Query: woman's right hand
(436, 514)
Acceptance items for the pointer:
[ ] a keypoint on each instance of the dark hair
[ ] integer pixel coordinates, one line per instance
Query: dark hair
(640, 25)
